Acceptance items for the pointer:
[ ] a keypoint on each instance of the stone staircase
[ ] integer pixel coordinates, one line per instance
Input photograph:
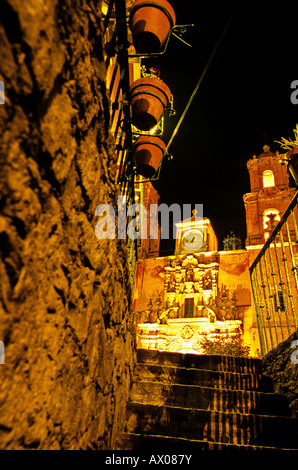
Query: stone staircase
(191, 402)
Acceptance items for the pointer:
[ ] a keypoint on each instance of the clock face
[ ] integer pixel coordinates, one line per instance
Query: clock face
(192, 240)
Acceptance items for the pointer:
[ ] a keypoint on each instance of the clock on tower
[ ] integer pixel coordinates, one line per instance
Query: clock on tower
(192, 239)
(195, 235)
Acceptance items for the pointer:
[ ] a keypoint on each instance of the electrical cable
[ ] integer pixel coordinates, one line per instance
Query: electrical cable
(201, 78)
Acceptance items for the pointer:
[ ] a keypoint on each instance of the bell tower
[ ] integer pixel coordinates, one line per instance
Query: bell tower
(269, 196)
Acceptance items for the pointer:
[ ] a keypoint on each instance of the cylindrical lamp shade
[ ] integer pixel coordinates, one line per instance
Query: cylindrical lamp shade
(148, 152)
(150, 24)
(148, 97)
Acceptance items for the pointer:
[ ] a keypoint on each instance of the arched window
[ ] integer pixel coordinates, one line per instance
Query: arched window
(268, 179)
(271, 218)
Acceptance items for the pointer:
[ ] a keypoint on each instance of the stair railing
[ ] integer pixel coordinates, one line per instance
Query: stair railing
(274, 280)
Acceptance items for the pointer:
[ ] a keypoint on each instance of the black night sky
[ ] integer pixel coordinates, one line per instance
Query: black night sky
(242, 103)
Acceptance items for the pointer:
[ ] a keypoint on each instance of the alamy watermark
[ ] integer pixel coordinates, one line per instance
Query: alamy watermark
(2, 353)
(135, 221)
(294, 355)
(2, 93)
(294, 94)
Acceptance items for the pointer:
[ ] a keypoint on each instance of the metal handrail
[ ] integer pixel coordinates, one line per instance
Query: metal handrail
(275, 231)
(274, 281)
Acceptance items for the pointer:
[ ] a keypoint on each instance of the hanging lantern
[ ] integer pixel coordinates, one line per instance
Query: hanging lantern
(148, 152)
(150, 24)
(148, 97)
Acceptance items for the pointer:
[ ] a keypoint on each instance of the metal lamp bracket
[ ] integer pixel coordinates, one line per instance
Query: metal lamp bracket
(177, 31)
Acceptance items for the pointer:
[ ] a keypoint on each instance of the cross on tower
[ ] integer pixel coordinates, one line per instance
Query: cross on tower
(194, 214)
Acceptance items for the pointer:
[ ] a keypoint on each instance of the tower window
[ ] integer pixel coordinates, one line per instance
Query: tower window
(271, 218)
(189, 307)
(268, 179)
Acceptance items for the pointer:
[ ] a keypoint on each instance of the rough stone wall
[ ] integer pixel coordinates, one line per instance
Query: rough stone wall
(284, 373)
(65, 296)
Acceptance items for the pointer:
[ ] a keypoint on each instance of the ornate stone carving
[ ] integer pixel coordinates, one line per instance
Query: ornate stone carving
(189, 288)
(195, 276)
(186, 333)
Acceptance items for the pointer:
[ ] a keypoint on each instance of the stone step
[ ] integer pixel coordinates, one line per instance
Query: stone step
(196, 361)
(208, 398)
(212, 426)
(195, 402)
(207, 378)
(175, 446)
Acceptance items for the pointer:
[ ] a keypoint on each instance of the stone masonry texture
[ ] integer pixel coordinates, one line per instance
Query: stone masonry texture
(284, 373)
(64, 295)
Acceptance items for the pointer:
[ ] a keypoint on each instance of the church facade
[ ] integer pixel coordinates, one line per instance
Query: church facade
(201, 296)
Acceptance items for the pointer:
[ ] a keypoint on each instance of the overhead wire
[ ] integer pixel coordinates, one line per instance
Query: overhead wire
(201, 78)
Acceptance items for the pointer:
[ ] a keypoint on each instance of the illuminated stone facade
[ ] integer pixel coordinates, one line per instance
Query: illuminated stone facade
(265, 204)
(180, 301)
(146, 195)
(189, 306)
(201, 293)
(269, 196)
